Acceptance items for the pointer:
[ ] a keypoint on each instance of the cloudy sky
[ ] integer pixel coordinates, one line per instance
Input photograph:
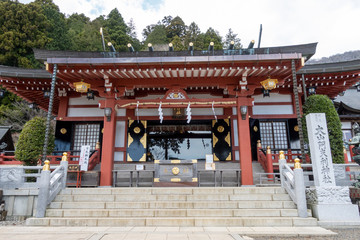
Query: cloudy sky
(334, 24)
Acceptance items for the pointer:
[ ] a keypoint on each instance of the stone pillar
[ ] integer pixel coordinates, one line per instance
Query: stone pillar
(108, 144)
(44, 186)
(300, 189)
(64, 162)
(330, 204)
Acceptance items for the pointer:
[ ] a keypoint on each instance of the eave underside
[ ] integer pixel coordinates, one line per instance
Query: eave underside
(224, 77)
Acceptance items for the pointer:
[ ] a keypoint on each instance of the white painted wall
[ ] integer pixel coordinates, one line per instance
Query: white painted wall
(237, 156)
(169, 112)
(272, 109)
(85, 112)
(235, 133)
(274, 97)
(121, 112)
(234, 111)
(345, 125)
(119, 156)
(120, 134)
(154, 112)
(84, 101)
(206, 111)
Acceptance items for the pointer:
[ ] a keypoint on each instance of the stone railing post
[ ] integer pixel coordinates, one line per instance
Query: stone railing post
(269, 162)
(282, 162)
(300, 189)
(64, 163)
(44, 186)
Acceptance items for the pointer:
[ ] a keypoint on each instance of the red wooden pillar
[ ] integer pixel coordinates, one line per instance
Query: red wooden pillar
(244, 144)
(63, 107)
(108, 145)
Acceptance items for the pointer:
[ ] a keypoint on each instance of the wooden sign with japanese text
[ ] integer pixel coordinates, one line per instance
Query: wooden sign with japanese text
(84, 157)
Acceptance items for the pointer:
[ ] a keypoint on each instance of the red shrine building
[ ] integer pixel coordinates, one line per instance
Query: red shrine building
(147, 106)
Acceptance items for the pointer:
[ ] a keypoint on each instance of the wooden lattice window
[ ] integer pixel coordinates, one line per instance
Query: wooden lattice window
(86, 134)
(274, 134)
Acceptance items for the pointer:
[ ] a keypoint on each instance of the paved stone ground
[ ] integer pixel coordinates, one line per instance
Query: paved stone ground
(17, 229)
(343, 233)
(16, 232)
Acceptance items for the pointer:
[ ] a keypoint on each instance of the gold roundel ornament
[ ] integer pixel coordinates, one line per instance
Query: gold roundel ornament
(296, 128)
(220, 129)
(63, 131)
(137, 130)
(255, 128)
(175, 170)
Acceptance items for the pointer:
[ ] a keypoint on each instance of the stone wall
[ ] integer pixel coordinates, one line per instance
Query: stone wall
(20, 202)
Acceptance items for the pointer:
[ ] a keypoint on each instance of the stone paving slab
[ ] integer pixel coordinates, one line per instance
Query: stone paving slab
(156, 233)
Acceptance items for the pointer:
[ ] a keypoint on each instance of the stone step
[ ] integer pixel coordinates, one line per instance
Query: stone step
(144, 197)
(172, 213)
(171, 191)
(178, 221)
(280, 204)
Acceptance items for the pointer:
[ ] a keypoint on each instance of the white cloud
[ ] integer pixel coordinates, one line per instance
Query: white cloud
(332, 23)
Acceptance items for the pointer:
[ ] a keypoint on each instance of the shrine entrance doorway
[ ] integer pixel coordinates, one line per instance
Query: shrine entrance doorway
(175, 139)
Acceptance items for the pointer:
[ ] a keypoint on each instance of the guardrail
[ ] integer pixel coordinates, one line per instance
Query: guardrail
(50, 184)
(293, 182)
(8, 158)
(217, 177)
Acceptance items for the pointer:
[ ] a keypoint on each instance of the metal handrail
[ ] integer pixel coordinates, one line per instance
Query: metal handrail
(216, 173)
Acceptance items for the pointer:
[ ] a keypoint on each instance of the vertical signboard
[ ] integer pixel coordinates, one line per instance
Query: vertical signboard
(84, 157)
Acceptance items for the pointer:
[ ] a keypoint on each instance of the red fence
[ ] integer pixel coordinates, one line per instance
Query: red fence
(269, 159)
(54, 159)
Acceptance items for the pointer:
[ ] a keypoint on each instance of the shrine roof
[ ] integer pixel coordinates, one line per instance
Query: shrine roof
(349, 100)
(307, 51)
(346, 66)
(15, 72)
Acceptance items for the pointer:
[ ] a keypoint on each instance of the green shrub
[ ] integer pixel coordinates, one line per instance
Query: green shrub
(29, 147)
(322, 104)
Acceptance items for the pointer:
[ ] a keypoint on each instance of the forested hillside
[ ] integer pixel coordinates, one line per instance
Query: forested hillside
(40, 24)
(341, 57)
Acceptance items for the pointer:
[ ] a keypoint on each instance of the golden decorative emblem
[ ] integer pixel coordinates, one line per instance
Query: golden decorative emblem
(63, 130)
(220, 129)
(175, 170)
(176, 95)
(81, 87)
(137, 130)
(255, 128)
(296, 128)
(102, 130)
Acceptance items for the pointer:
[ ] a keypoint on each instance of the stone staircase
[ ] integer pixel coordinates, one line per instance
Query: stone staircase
(207, 206)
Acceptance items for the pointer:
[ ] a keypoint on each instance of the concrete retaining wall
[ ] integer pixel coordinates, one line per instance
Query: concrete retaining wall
(20, 202)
